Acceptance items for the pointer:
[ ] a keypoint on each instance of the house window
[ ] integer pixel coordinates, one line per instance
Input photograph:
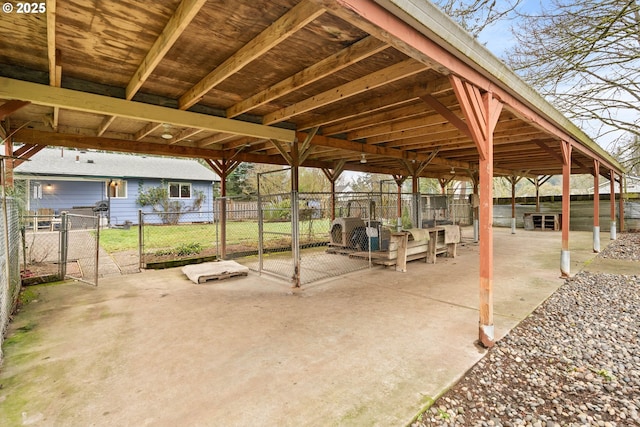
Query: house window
(179, 190)
(117, 189)
(37, 191)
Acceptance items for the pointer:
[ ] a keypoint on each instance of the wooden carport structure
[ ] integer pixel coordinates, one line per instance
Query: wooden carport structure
(314, 83)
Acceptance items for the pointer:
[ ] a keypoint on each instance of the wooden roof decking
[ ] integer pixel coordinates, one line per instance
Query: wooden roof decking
(243, 79)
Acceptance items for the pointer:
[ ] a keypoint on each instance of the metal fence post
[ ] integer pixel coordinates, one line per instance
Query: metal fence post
(260, 231)
(97, 227)
(64, 242)
(295, 238)
(140, 239)
(417, 210)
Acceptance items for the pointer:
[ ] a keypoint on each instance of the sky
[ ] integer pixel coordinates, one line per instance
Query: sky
(498, 38)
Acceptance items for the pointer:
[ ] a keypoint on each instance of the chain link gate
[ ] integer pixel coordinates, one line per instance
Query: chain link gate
(275, 235)
(80, 247)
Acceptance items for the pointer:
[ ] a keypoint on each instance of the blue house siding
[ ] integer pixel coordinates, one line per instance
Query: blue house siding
(204, 214)
(65, 195)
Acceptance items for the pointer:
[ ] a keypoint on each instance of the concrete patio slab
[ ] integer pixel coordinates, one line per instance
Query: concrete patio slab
(369, 348)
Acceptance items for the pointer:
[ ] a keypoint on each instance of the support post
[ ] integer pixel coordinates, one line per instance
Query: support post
(223, 168)
(513, 180)
(140, 239)
(7, 175)
(223, 216)
(260, 229)
(333, 200)
(417, 220)
(621, 203)
(332, 176)
(596, 205)
(399, 179)
(476, 209)
(565, 255)
(612, 202)
(295, 214)
(537, 195)
(482, 112)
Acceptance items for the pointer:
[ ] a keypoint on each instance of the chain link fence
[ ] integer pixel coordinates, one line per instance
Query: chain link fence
(335, 233)
(334, 247)
(274, 236)
(41, 248)
(9, 263)
(80, 247)
(168, 239)
(241, 226)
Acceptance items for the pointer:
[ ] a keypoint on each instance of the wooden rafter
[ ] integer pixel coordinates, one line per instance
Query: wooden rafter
(53, 57)
(25, 152)
(11, 107)
(481, 112)
(283, 152)
(416, 168)
(406, 123)
(176, 25)
(223, 168)
(444, 111)
(360, 110)
(371, 81)
(146, 130)
(184, 135)
(297, 17)
(357, 52)
(51, 41)
(87, 102)
(333, 174)
(306, 149)
(358, 147)
(215, 139)
(178, 22)
(565, 149)
(106, 122)
(400, 103)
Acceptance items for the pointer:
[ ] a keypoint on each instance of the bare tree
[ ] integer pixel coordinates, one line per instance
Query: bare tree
(585, 58)
(475, 15)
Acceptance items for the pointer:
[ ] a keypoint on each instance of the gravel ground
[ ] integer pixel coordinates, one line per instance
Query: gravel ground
(626, 246)
(575, 361)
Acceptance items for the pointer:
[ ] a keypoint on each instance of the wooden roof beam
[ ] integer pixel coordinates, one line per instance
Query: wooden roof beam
(214, 139)
(405, 124)
(185, 135)
(51, 41)
(146, 130)
(392, 153)
(53, 56)
(356, 52)
(11, 107)
(106, 105)
(445, 112)
(383, 117)
(363, 109)
(295, 19)
(179, 21)
(371, 81)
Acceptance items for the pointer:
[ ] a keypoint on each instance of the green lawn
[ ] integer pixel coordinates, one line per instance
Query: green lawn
(168, 236)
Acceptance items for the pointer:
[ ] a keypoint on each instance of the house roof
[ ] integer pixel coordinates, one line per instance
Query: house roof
(317, 83)
(76, 163)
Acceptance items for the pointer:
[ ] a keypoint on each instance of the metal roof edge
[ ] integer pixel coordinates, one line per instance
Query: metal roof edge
(429, 20)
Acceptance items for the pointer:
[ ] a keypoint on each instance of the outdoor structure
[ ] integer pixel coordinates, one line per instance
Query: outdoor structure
(89, 182)
(387, 86)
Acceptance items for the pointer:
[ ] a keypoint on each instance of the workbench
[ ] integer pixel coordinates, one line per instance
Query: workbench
(547, 221)
(404, 246)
